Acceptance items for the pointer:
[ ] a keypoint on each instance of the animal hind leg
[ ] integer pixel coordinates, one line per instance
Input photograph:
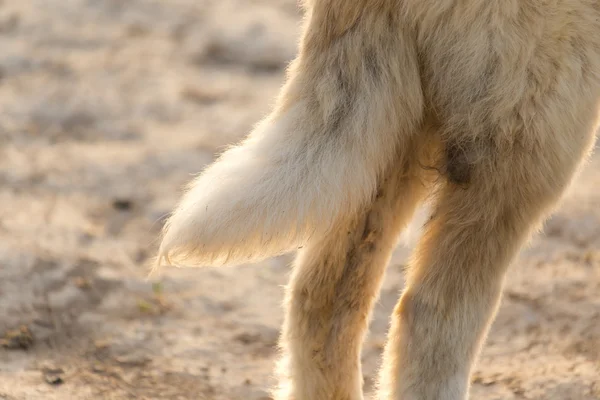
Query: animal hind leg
(334, 285)
(456, 274)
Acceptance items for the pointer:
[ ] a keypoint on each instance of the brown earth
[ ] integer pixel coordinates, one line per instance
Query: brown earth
(107, 107)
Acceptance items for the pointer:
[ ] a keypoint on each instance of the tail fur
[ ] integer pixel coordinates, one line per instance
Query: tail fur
(336, 126)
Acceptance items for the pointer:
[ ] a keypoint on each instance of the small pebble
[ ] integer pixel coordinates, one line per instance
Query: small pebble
(122, 204)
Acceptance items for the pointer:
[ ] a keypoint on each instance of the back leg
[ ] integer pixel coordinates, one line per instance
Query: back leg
(334, 285)
(456, 274)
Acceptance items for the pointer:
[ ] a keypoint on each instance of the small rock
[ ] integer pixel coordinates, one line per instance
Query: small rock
(17, 339)
(122, 204)
(82, 283)
(54, 379)
(247, 338)
(200, 96)
(378, 344)
(101, 344)
(103, 349)
(53, 375)
(133, 360)
(98, 369)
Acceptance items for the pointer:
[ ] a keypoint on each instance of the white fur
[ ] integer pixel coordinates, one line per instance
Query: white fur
(267, 195)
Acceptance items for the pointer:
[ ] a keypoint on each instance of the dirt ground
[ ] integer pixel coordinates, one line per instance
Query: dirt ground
(106, 109)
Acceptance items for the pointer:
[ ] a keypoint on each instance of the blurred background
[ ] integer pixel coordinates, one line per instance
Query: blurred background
(107, 107)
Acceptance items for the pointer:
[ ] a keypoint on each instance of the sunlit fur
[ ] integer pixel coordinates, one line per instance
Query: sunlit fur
(485, 108)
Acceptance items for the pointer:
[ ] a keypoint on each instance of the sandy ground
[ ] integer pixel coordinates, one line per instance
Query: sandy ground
(107, 107)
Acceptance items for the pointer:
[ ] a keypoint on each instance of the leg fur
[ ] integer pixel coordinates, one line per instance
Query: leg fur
(496, 195)
(455, 281)
(352, 98)
(516, 90)
(333, 288)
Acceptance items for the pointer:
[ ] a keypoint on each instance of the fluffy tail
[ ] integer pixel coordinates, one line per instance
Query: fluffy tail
(337, 124)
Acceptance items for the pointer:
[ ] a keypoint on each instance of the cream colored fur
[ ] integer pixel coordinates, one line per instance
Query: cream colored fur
(484, 108)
